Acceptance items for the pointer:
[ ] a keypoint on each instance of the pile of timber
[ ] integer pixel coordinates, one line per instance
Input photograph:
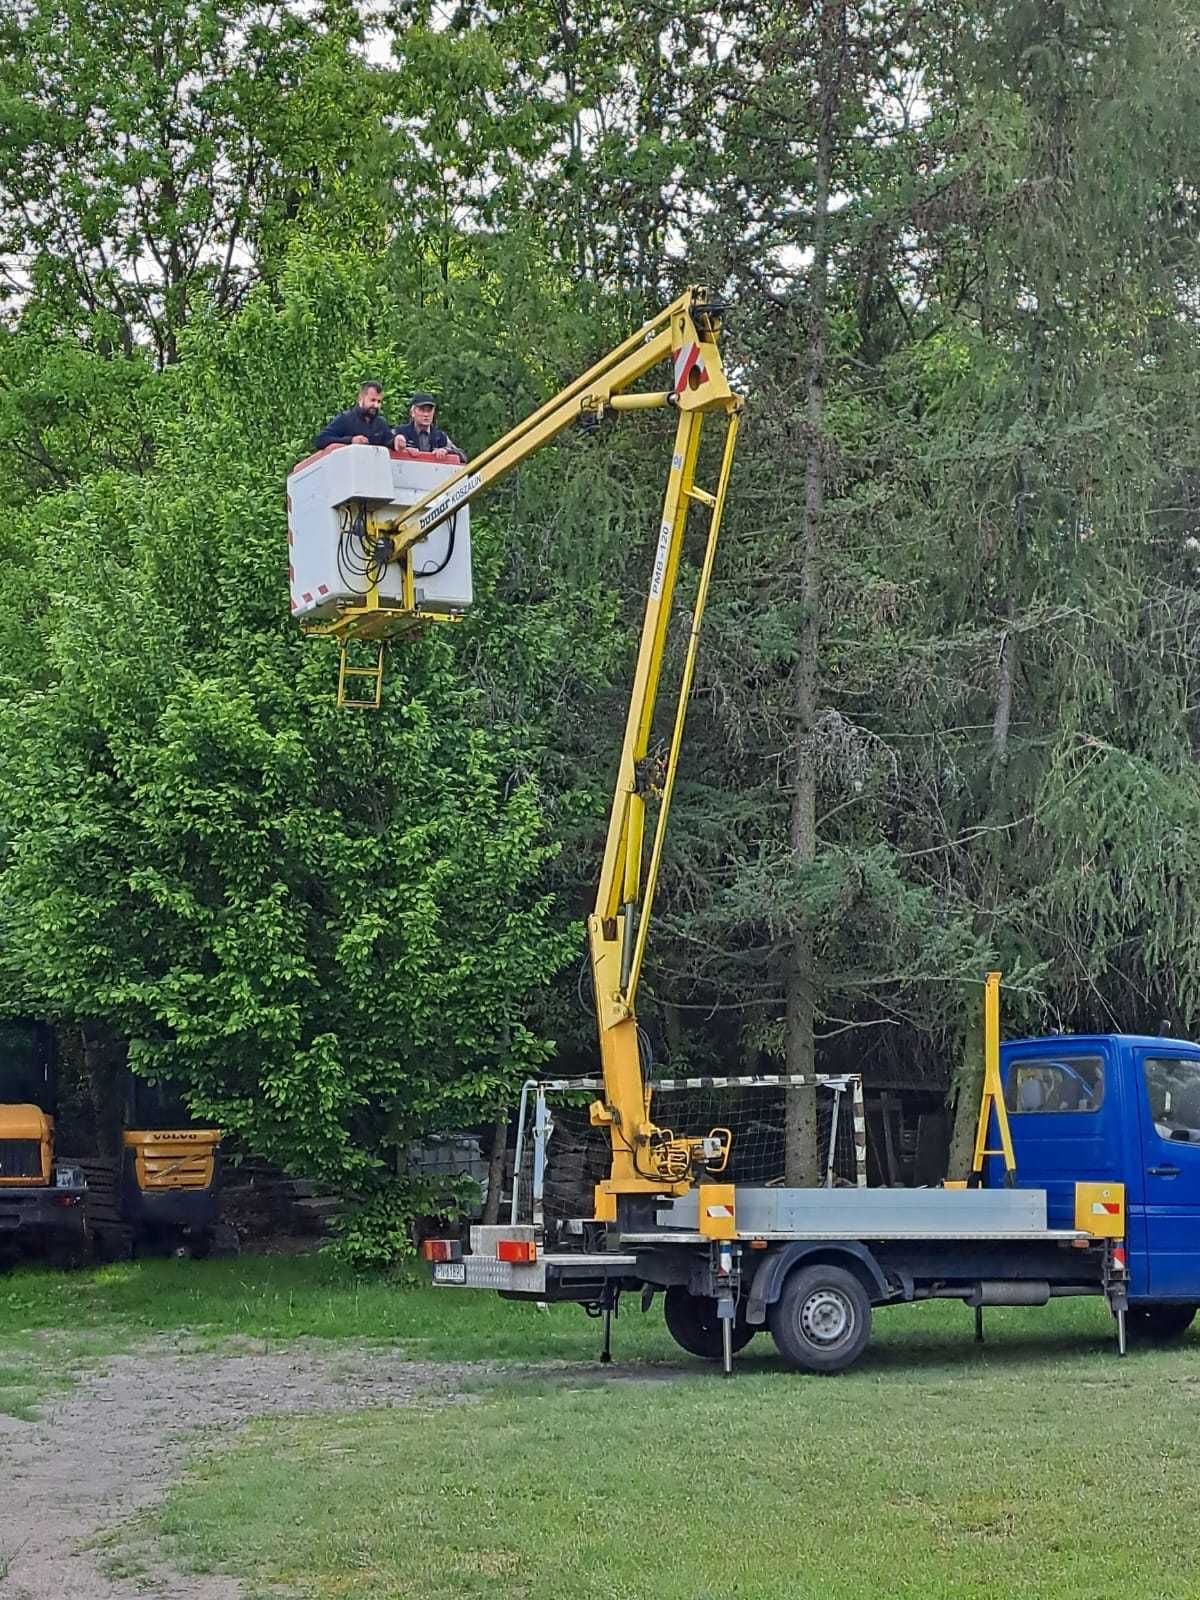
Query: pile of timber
(262, 1202)
(102, 1204)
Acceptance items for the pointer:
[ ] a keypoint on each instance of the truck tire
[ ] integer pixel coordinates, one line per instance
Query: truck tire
(220, 1240)
(113, 1243)
(68, 1255)
(1155, 1324)
(822, 1320)
(693, 1323)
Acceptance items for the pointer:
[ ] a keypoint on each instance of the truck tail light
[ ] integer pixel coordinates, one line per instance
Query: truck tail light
(516, 1250)
(442, 1250)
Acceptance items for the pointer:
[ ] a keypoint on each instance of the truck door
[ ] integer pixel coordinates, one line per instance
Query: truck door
(1063, 1118)
(1169, 1111)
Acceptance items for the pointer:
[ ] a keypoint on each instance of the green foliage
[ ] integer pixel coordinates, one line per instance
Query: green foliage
(152, 154)
(377, 1231)
(65, 412)
(326, 928)
(971, 655)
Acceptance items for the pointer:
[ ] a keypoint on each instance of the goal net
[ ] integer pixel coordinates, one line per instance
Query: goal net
(560, 1156)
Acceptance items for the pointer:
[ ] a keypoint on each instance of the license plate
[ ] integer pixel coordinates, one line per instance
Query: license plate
(449, 1272)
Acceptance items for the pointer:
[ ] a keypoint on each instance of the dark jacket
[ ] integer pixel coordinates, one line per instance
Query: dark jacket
(410, 437)
(349, 424)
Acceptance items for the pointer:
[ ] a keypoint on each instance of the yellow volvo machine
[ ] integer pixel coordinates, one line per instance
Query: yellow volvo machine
(160, 1191)
(728, 1258)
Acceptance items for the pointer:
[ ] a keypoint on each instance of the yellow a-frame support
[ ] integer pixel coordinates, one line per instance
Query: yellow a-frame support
(992, 1100)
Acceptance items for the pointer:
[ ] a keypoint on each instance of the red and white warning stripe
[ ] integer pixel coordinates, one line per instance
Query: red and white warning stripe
(860, 1133)
(688, 357)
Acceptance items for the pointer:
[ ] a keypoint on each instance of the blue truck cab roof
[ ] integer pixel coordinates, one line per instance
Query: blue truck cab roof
(1082, 1042)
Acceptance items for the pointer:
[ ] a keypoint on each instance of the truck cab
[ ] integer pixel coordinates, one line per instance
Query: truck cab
(1114, 1108)
(41, 1197)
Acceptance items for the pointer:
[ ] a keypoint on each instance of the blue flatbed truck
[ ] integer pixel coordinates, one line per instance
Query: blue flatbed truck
(1104, 1201)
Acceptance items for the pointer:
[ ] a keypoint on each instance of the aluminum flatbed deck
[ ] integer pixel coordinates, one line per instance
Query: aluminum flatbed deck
(875, 1215)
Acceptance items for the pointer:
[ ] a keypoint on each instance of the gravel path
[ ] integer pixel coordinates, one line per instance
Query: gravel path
(119, 1440)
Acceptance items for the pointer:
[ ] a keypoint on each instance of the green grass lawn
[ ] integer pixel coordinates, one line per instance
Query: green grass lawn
(54, 1323)
(1038, 1466)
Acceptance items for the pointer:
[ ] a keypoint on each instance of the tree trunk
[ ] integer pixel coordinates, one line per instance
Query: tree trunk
(495, 1177)
(1004, 696)
(801, 1156)
(967, 1091)
(104, 1061)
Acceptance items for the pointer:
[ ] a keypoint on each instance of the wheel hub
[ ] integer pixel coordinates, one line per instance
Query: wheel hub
(826, 1317)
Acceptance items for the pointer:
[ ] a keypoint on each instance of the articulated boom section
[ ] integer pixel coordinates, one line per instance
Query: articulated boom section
(645, 1159)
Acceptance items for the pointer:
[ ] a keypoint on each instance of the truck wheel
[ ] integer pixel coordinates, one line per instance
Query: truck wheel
(113, 1244)
(226, 1240)
(822, 1320)
(219, 1240)
(67, 1255)
(693, 1323)
(1158, 1323)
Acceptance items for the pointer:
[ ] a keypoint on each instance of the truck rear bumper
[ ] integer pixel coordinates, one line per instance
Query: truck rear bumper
(566, 1275)
(25, 1212)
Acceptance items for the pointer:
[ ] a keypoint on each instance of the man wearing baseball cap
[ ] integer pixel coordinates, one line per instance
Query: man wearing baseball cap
(419, 432)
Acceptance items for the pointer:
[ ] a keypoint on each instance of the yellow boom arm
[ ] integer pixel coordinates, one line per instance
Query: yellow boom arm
(645, 1159)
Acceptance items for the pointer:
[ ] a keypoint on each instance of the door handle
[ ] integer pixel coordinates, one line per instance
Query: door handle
(1163, 1172)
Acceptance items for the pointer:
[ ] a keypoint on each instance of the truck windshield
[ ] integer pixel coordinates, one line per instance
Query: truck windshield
(1173, 1090)
(24, 1065)
(155, 1107)
(1048, 1085)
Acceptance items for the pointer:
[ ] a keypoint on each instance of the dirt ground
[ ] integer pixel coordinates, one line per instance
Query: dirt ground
(117, 1441)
